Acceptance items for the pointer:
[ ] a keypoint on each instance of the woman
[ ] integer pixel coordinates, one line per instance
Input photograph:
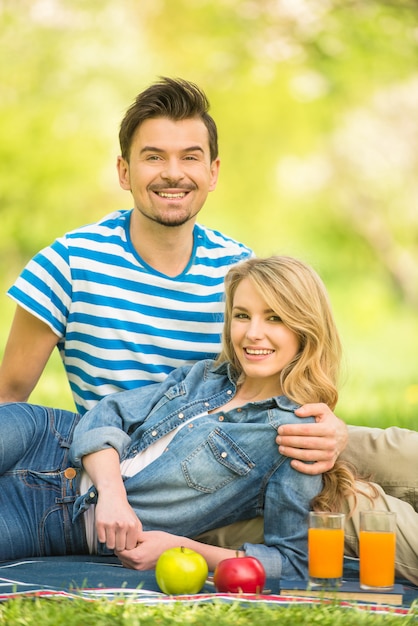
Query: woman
(155, 466)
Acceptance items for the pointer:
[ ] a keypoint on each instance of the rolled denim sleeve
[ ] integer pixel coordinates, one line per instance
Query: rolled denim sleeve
(102, 427)
(269, 557)
(96, 440)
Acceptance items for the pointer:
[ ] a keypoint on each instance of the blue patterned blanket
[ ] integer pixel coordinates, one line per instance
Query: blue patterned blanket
(93, 577)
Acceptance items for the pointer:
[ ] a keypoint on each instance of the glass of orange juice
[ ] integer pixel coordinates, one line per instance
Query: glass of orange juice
(377, 550)
(326, 548)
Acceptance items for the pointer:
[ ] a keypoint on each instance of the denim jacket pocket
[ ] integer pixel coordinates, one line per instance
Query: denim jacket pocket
(215, 463)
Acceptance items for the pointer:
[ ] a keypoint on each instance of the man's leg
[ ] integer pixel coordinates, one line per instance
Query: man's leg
(389, 457)
(406, 562)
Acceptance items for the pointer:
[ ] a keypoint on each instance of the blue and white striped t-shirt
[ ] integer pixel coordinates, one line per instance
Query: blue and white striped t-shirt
(120, 323)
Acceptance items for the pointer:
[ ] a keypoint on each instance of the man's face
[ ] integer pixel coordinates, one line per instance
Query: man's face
(169, 172)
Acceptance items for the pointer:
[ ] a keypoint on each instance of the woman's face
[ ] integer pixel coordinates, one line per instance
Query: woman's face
(262, 343)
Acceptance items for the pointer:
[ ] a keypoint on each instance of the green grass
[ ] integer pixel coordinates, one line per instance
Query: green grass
(24, 612)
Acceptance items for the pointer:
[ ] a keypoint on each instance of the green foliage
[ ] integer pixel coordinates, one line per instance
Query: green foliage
(316, 104)
(72, 613)
(62, 96)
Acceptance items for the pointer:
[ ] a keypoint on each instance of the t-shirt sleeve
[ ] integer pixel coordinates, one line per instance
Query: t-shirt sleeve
(44, 287)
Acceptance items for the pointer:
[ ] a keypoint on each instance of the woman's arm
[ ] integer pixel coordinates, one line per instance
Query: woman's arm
(116, 522)
(154, 543)
(287, 498)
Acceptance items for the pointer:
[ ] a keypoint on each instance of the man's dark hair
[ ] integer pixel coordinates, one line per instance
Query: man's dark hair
(174, 98)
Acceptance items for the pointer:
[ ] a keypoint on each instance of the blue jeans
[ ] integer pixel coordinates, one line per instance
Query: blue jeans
(37, 490)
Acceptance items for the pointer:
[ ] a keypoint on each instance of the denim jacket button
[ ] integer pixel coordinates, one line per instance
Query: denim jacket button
(229, 392)
(154, 433)
(221, 418)
(70, 473)
(180, 416)
(224, 455)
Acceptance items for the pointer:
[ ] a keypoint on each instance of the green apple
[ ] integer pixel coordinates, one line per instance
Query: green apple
(181, 571)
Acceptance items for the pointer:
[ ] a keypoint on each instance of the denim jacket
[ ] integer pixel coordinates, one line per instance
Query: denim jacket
(218, 469)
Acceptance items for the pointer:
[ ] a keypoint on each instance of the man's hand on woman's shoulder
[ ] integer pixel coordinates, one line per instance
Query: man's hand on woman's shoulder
(314, 448)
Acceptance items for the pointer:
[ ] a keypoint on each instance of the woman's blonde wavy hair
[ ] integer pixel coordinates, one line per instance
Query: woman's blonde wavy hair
(296, 293)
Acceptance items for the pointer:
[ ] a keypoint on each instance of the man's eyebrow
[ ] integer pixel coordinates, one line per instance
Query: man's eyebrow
(160, 150)
(194, 149)
(150, 149)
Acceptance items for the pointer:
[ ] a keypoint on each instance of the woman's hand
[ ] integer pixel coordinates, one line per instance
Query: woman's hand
(116, 523)
(151, 545)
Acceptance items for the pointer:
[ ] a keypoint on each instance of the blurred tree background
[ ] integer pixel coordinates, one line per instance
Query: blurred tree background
(316, 103)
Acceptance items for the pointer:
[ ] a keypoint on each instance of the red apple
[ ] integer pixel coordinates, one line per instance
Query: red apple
(181, 571)
(244, 574)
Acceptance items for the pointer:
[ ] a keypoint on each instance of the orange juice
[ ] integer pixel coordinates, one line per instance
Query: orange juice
(377, 558)
(326, 552)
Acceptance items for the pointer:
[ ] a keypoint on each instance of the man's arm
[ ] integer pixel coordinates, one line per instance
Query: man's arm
(314, 448)
(28, 349)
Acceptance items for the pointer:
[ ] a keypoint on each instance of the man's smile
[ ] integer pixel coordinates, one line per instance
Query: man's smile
(165, 194)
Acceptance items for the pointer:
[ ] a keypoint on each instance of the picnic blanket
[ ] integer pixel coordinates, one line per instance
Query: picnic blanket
(92, 577)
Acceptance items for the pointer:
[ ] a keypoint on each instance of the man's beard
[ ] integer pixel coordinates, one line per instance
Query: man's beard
(171, 221)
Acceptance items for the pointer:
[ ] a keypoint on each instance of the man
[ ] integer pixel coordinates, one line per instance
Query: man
(139, 293)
